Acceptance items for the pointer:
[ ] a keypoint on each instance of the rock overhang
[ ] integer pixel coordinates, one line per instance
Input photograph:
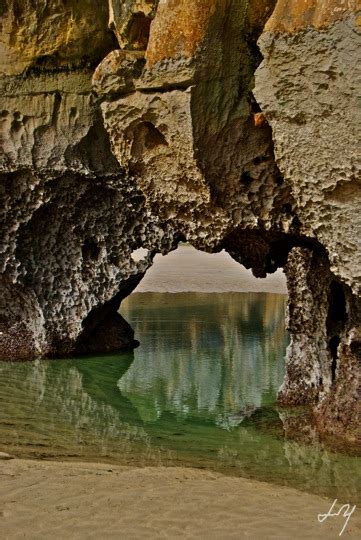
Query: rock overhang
(182, 142)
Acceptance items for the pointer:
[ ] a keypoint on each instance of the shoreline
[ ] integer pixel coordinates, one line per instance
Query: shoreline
(46, 499)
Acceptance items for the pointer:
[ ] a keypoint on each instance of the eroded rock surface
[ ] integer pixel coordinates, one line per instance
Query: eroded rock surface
(53, 34)
(189, 131)
(307, 86)
(185, 130)
(70, 215)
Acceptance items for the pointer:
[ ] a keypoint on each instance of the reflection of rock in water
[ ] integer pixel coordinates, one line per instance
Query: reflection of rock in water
(220, 357)
(233, 420)
(227, 362)
(300, 426)
(53, 409)
(307, 454)
(306, 467)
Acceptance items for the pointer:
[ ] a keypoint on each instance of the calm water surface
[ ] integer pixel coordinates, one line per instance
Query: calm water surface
(199, 391)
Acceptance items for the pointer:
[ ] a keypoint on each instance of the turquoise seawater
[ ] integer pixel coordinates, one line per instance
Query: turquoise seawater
(199, 391)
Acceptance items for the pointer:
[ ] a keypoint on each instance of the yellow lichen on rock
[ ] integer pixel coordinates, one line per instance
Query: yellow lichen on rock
(53, 34)
(292, 15)
(179, 28)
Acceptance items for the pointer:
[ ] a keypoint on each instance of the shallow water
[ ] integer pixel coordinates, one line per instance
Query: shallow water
(199, 391)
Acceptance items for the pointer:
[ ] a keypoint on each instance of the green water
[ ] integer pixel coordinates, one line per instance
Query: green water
(199, 391)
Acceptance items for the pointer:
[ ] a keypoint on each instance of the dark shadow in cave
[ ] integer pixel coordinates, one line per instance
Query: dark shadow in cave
(336, 321)
(104, 329)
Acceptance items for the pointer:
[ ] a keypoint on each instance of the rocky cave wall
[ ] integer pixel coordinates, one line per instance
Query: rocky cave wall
(71, 216)
(307, 86)
(153, 122)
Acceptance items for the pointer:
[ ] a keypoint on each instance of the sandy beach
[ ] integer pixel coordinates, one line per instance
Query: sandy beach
(187, 269)
(48, 500)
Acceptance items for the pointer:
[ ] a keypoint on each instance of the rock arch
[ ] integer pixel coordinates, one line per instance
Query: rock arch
(190, 139)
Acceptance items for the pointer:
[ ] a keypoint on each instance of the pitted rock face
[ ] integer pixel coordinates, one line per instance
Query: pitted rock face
(190, 131)
(70, 216)
(307, 87)
(321, 100)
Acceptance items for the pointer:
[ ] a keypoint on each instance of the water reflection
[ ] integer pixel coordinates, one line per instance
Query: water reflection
(215, 356)
(66, 408)
(199, 391)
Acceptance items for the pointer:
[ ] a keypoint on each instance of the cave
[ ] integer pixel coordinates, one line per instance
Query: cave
(188, 131)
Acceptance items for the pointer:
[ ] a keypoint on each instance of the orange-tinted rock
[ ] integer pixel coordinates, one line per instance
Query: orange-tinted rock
(188, 132)
(259, 119)
(293, 15)
(179, 28)
(53, 34)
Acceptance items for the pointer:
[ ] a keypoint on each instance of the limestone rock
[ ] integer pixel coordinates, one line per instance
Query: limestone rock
(116, 74)
(293, 15)
(188, 133)
(130, 20)
(70, 217)
(53, 34)
(307, 86)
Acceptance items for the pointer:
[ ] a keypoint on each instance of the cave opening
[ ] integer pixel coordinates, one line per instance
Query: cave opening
(188, 269)
(210, 332)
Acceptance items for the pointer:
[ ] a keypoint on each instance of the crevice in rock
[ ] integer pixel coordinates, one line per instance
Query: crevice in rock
(333, 345)
(337, 312)
(138, 30)
(90, 250)
(336, 322)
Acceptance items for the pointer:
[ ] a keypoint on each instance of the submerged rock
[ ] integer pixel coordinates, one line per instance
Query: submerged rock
(183, 131)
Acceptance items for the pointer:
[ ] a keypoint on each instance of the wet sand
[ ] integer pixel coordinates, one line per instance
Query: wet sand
(47, 500)
(187, 269)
